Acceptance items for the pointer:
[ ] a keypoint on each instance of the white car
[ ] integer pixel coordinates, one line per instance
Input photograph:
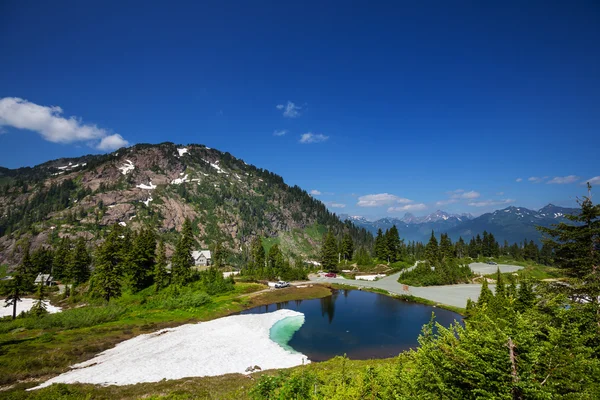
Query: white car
(281, 285)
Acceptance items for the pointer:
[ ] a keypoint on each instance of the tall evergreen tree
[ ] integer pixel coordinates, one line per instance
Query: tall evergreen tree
(160, 268)
(140, 259)
(60, 261)
(577, 252)
(39, 307)
(380, 246)
(79, 263)
(329, 253)
(108, 271)
(485, 296)
(347, 247)
(446, 248)
(182, 260)
(432, 252)
(14, 292)
(258, 252)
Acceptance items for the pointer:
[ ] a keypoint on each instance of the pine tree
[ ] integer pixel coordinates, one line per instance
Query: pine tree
(393, 244)
(14, 293)
(431, 250)
(380, 247)
(577, 251)
(60, 261)
(347, 247)
(182, 260)
(258, 252)
(329, 253)
(446, 248)
(107, 272)
(485, 296)
(140, 259)
(39, 307)
(79, 261)
(160, 268)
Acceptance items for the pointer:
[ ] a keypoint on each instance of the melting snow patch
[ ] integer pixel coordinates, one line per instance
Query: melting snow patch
(182, 151)
(25, 305)
(222, 346)
(144, 186)
(215, 166)
(132, 217)
(147, 202)
(122, 223)
(127, 167)
(179, 181)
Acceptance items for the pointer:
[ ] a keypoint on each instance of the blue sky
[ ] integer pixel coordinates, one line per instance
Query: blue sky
(408, 106)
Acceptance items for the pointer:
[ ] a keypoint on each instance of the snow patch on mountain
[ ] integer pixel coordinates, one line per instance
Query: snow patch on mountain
(182, 151)
(127, 167)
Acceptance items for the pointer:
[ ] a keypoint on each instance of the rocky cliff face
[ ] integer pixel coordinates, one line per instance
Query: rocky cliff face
(227, 200)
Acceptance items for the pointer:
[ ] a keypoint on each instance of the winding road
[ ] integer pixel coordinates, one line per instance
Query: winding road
(451, 295)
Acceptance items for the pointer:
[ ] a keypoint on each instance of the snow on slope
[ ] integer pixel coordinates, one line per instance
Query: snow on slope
(144, 186)
(25, 305)
(182, 151)
(127, 167)
(222, 346)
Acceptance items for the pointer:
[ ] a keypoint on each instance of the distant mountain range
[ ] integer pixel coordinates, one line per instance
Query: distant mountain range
(513, 224)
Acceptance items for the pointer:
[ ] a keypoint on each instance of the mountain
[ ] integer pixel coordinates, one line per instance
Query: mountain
(228, 201)
(513, 224)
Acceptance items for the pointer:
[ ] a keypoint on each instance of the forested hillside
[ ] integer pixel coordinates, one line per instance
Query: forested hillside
(228, 201)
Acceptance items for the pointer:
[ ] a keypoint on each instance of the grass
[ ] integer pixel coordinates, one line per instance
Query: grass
(36, 349)
(531, 270)
(232, 386)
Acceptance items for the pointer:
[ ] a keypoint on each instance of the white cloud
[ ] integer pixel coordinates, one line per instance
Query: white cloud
(49, 123)
(310, 137)
(446, 202)
(408, 207)
(593, 181)
(381, 199)
(112, 142)
(461, 194)
(281, 132)
(315, 192)
(336, 205)
(561, 180)
(487, 203)
(519, 180)
(290, 110)
(535, 179)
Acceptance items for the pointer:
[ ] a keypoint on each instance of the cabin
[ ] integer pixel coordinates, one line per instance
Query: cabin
(44, 279)
(202, 258)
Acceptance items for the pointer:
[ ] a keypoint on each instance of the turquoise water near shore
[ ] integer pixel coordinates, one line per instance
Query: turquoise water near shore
(283, 331)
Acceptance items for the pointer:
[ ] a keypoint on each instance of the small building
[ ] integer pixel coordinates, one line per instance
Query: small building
(202, 258)
(44, 279)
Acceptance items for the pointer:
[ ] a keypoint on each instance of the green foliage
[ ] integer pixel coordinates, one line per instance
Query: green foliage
(329, 253)
(347, 247)
(182, 260)
(443, 273)
(79, 260)
(160, 269)
(106, 282)
(39, 307)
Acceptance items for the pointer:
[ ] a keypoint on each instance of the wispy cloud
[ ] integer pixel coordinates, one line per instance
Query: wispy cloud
(519, 180)
(290, 110)
(381, 199)
(310, 137)
(535, 179)
(461, 194)
(488, 203)
(48, 122)
(336, 205)
(408, 207)
(315, 192)
(562, 180)
(281, 132)
(593, 181)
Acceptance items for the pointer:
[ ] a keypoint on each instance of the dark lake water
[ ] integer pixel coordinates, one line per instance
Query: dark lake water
(360, 324)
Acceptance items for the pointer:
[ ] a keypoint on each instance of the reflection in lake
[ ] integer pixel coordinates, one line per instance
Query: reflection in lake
(360, 324)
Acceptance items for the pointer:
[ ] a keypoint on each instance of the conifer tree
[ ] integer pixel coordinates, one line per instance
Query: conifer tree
(39, 307)
(60, 261)
(347, 247)
(14, 293)
(432, 250)
(108, 271)
(182, 260)
(380, 247)
(258, 252)
(160, 269)
(485, 296)
(140, 259)
(329, 254)
(79, 261)
(446, 248)
(577, 252)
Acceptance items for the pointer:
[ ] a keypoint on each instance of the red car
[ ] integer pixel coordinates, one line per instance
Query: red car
(330, 275)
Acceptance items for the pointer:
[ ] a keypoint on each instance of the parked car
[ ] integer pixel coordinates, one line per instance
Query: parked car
(281, 284)
(492, 263)
(331, 275)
